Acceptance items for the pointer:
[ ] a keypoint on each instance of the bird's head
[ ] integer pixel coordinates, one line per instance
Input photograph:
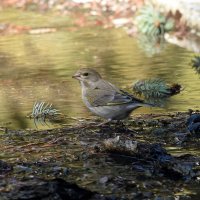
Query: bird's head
(87, 75)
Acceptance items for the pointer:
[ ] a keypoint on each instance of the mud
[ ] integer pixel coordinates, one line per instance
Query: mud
(131, 160)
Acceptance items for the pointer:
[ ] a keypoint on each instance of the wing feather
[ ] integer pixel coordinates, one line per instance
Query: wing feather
(107, 95)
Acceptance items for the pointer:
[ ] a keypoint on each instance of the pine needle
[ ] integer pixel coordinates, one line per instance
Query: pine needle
(42, 111)
(155, 88)
(151, 22)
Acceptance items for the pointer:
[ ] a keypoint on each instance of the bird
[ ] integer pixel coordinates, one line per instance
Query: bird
(104, 98)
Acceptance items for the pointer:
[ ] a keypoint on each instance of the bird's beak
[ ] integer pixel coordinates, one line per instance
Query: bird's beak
(76, 76)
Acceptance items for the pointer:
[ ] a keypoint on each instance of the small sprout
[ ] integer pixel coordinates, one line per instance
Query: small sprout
(42, 111)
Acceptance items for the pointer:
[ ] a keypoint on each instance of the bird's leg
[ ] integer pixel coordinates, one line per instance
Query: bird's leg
(105, 122)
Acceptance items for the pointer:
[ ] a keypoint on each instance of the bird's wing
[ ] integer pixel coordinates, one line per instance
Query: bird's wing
(109, 95)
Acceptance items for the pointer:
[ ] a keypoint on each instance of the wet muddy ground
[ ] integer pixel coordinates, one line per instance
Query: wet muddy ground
(148, 157)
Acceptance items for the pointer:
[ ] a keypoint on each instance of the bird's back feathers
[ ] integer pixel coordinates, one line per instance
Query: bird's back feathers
(106, 94)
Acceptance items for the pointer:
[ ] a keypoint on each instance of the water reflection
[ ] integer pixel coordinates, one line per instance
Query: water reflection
(151, 45)
(39, 67)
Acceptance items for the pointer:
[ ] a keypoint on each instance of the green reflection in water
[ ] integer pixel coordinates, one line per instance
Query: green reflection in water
(39, 67)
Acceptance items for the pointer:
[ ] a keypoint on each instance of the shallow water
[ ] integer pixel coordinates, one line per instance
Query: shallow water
(39, 67)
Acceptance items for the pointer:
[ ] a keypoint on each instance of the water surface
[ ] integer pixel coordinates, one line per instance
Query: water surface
(40, 66)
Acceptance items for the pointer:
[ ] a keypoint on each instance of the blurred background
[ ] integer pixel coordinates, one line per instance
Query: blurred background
(43, 43)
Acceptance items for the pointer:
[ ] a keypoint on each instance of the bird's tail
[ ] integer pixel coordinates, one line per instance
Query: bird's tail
(148, 105)
(140, 104)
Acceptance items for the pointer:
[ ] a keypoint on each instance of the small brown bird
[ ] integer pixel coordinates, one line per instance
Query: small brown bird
(105, 99)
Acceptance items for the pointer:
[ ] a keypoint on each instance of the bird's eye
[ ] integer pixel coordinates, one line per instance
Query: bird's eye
(85, 74)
